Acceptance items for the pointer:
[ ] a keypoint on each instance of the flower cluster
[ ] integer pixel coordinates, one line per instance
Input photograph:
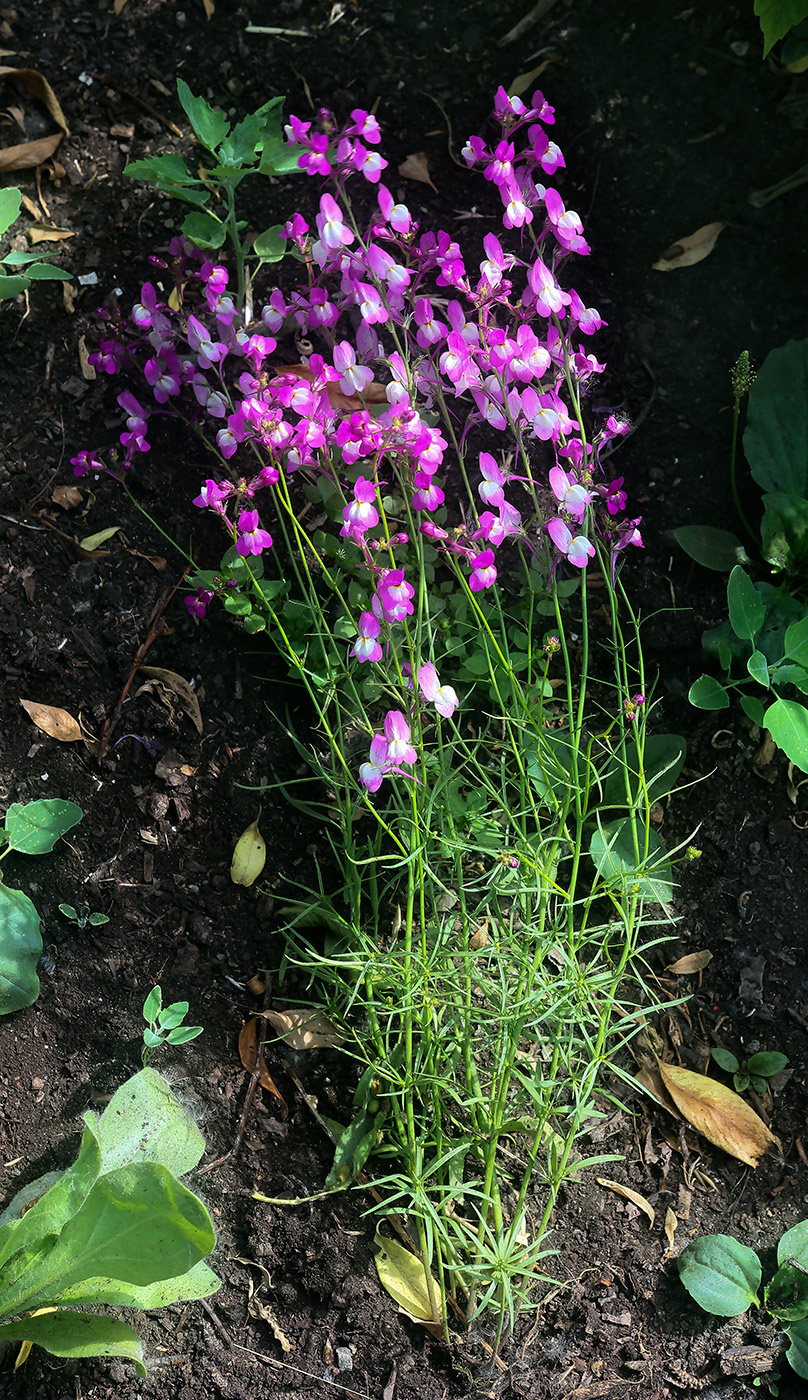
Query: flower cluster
(496, 349)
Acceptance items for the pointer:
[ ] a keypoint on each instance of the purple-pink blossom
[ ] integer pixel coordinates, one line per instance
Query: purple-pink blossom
(251, 538)
(367, 647)
(444, 697)
(577, 549)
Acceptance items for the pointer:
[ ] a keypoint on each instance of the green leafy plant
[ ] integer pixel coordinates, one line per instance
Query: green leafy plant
(756, 1071)
(117, 1227)
(164, 1024)
(82, 915)
(254, 146)
(779, 18)
(35, 270)
(766, 636)
(724, 1277)
(32, 828)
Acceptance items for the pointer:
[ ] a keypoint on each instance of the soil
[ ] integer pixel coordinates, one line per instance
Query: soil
(668, 119)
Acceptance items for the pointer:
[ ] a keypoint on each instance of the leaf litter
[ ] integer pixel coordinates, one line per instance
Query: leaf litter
(718, 1113)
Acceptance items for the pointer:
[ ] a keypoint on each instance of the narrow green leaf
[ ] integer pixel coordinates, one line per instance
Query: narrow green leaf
(183, 1034)
(78, 1334)
(46, 272)
(746, 608)
(721, 1274)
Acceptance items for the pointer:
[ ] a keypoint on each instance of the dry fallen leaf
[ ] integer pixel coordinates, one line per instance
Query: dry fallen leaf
(479, 938)
(91, 543)
(166, 683)
(30, 153)
(373, 393)
(689, 250)
(525, 80)
(691, 962)
(38, 234)
(68, 497)
(250, 1051)
(633, 1196)
(256, 1307)
(87, 370)
(304, 1028)
(401, 1274)
(670, 1226)
(156, 560)
(51, 720)
(416, 167)
(719, 1114)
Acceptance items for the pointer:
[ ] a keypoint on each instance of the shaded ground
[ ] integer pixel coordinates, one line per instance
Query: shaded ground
(666, 124)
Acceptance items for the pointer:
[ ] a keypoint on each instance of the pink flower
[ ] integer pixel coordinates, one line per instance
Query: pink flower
(366, 647)
(484, 573)
(427, 495)
(330, 226)
(444, 697)
(397, 734)
(575, 548)
(198, 603)
(491, 489)
(212, 495)
(392, 599)
(252, 540)
(355, 378)
(371, 773)
(361, 514)
(570, 494)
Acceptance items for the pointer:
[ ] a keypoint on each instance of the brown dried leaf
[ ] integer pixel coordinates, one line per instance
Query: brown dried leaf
(633, 1196)
(689, 250)
(69, 295)
(650, 1080)
(691, 962)
(670, 1226)
(38, 234)
(40, 88)
(719, 1114)
(304, 1028)
(118, 6)
(156, 560)
(210, 8)
(87, 370)
(68, 497)
(250, 1052)
(51, 720)
(374, 393)
(479, 938)
(165, 683)
(29, 153)
(416, 167)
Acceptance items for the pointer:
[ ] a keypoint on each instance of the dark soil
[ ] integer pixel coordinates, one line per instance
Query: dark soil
(668, 118)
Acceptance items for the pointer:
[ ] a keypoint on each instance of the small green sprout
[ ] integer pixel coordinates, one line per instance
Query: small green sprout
(82, 915)
(754, 1072)
(164, 1024)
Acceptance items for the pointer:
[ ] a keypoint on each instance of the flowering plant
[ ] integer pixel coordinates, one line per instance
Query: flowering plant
(437, 488)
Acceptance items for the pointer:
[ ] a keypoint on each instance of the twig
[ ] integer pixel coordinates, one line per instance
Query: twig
(156, 618)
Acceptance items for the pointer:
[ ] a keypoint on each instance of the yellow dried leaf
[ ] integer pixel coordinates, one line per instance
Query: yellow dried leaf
(304, 1028)
(210, 8)
(87, 370)
(691, 962)
(525, 80)
(38, 234)
(633, 1196)
(59, 724)
(249, 856)
(670, 1226)
(416, 167)
(719, 1114)
(92, 542)
(68, 497)
(402, 1275)
(689, 250)
(168, 683)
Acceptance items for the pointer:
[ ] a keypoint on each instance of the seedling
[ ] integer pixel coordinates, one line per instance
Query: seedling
(723, 1276)
(82, 915)
(756, 1071)
(117, 1227)
(164, 1024)
(32, 828)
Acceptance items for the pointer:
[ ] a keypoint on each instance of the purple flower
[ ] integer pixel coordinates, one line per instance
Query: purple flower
(198, 603)
(571, 495)
(397, 734)
(392, 599)
(484, 573)
(252, 540)
(372, 773)
(444, 697)
(490, 490)
(366, 647)
(575, 548)
(355, 378)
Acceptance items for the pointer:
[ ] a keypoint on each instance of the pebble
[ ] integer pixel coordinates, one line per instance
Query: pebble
(344, 1357)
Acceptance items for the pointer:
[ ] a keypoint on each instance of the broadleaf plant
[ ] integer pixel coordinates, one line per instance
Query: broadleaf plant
(26, 267)
(118, 1227)
(31, 828)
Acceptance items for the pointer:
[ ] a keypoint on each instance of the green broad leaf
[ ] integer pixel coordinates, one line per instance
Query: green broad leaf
(210, 126)
(151, 1039)
(78, 1334)
(746, 607)
(711, 547)
(171, 175)
(20, 949)
(46, 272)
(254, 623)
(144, 1122)
(776, 437)
(794, 1244)
(279, 157)
(17, 258)
(12, 286)
(172, 1015)
(741, 1083)
(269, 246)
(784, 531)
(722, 1275)
(786, 1296)
(758, 668)
(725, 1059)
(795, 46)
(708, 694)
(153, 1004)
(240, 147)
(33, 828)
(10, 205)
(53, 1202)
(198, 1282)
(787, 722)
(204, 229)
(767, 1063)
(663, 759)
(138, 1225)
(797, 1354)
(796, 642)
(617, 862)
(776, 18)
(183, 1034)
(754, 708)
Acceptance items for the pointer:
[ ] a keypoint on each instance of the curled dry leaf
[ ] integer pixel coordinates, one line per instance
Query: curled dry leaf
(251, 1053)
(304, 1028)
(30, 153)
(689, 250)
(479, 938)
(691, 962)
(38, 234)
(670, 1226)
(649, 1077)
(53, 721)
(156, 560)
(256, 1307)
(719, 1114)
(633, 1196)
(416, 167)
(68, 497)
(167, 683)
(87, 370)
